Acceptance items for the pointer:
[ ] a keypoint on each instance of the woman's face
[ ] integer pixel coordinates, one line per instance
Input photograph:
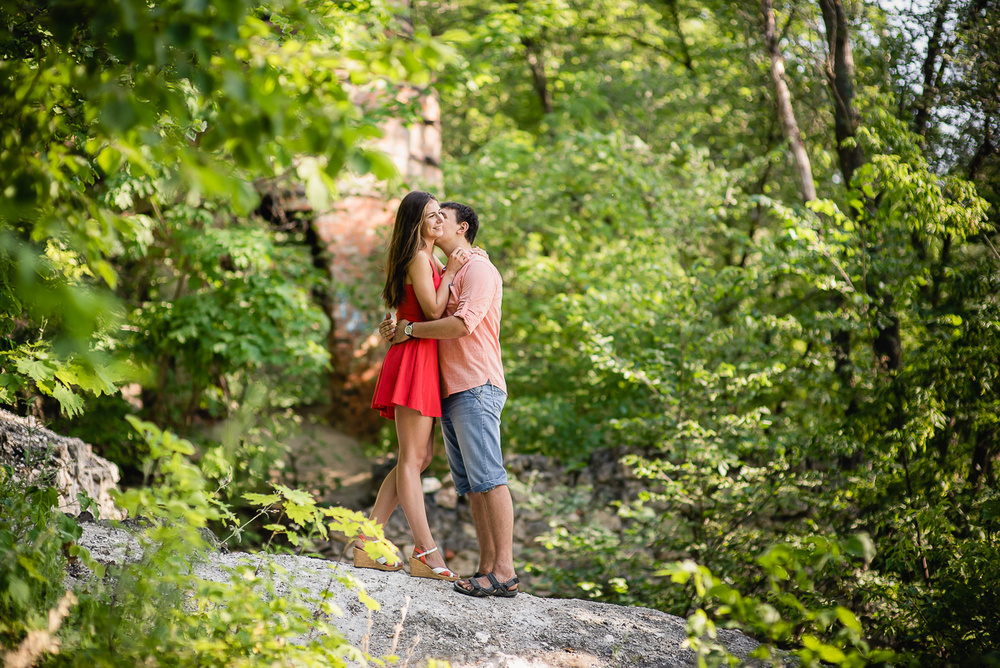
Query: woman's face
(432, 223)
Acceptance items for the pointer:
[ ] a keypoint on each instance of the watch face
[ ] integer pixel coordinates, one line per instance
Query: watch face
(408, 330)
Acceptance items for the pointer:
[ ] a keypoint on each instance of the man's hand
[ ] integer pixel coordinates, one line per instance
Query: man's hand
(400, 336)
(387, 329)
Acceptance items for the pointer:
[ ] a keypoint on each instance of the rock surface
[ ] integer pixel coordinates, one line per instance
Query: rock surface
(68, 464)
(523, 632)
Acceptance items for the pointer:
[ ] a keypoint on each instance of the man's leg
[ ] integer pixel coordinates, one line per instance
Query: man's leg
(500, 515)
(484, 532)
(478, 430)
(451, 406)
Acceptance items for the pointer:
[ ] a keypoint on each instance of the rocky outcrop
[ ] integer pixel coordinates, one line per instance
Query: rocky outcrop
(522, 632)
(67, 464)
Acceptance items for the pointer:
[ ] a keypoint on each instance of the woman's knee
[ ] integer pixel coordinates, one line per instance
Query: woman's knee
(411, 461)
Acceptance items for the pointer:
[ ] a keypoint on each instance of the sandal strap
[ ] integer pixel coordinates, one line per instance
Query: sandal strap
(421, 555)
(477, 589)
(498, 586)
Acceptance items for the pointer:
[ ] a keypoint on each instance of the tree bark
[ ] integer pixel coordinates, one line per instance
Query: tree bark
(786, 113)
(983, 454)
(840, 75)
(985, 150)
(537, 66)
(840, 78)
(929, 93)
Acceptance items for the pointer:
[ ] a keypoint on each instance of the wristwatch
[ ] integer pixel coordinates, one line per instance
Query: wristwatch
(408, 330)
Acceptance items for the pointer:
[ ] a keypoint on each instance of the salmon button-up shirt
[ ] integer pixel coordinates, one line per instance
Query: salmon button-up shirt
(474, 360)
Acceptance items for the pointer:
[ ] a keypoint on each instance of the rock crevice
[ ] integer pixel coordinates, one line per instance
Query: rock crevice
(38, 455)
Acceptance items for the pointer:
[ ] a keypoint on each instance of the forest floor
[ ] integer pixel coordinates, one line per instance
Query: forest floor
(332, 465)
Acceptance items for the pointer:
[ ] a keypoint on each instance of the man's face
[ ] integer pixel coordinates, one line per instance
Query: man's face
(451, 224)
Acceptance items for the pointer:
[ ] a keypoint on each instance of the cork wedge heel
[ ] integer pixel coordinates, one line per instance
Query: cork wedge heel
(363, 560)
(420, 569)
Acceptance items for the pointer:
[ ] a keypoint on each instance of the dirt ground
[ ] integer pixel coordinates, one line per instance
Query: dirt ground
(323, 459)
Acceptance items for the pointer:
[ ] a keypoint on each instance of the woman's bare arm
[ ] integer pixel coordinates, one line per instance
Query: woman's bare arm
(433, 302)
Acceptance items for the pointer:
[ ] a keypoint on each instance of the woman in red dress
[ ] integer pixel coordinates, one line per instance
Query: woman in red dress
(408, 389)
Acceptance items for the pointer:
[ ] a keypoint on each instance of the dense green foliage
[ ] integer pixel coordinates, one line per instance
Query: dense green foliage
(32, 539)
(775, 369)
(134, 140)
(153, 606)
(805, 392)
(133, 136)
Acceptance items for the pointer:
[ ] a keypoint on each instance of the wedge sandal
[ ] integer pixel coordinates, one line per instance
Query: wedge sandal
(364, 560)
(419, 567)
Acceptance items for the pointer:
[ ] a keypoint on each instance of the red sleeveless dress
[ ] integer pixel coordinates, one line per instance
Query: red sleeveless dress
(409, 375)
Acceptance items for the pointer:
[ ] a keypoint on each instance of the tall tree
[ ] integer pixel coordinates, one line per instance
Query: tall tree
(930, 70)
(840, 77)
(786, 112)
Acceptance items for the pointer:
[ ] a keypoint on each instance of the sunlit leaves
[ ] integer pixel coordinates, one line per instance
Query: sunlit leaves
(139, 106)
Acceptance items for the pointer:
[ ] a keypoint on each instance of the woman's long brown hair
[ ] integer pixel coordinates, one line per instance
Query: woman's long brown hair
(404, 245)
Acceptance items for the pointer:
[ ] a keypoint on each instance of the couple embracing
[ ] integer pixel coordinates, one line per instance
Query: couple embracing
(445, 363)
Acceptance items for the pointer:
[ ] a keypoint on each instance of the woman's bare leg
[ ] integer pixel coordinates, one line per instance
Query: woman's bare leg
(388, 499)
(416, 433)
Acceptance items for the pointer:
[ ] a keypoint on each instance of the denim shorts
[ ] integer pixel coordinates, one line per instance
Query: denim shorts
(471, 427)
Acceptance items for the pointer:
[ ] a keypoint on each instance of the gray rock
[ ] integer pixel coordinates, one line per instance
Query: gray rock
(522, 632)
(68, 464)
(446, 497)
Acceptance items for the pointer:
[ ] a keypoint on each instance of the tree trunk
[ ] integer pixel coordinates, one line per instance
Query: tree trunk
(983, 454)
(985, 150)
(929, 93)
(840, 78)
(785, 111)
(337, 375)
(537, 66)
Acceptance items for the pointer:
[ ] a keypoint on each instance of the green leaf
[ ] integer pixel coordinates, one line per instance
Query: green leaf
(109, 160)
(29, 565)
(261, 499)
(70, 403)
(382, 167)
(861, 545)
(296, 496)
(37, 370)
(371, 603)
(848, 619)
(301, 515)
(19, 590)
(831, 654)
(106, 272)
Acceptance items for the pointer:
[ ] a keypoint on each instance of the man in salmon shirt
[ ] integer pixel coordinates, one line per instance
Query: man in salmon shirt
(473, 395)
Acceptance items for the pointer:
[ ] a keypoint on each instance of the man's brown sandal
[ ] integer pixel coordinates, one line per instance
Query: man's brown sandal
(496, 588)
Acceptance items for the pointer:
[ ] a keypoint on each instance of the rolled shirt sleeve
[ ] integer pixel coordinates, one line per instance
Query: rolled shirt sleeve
(479, 288)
